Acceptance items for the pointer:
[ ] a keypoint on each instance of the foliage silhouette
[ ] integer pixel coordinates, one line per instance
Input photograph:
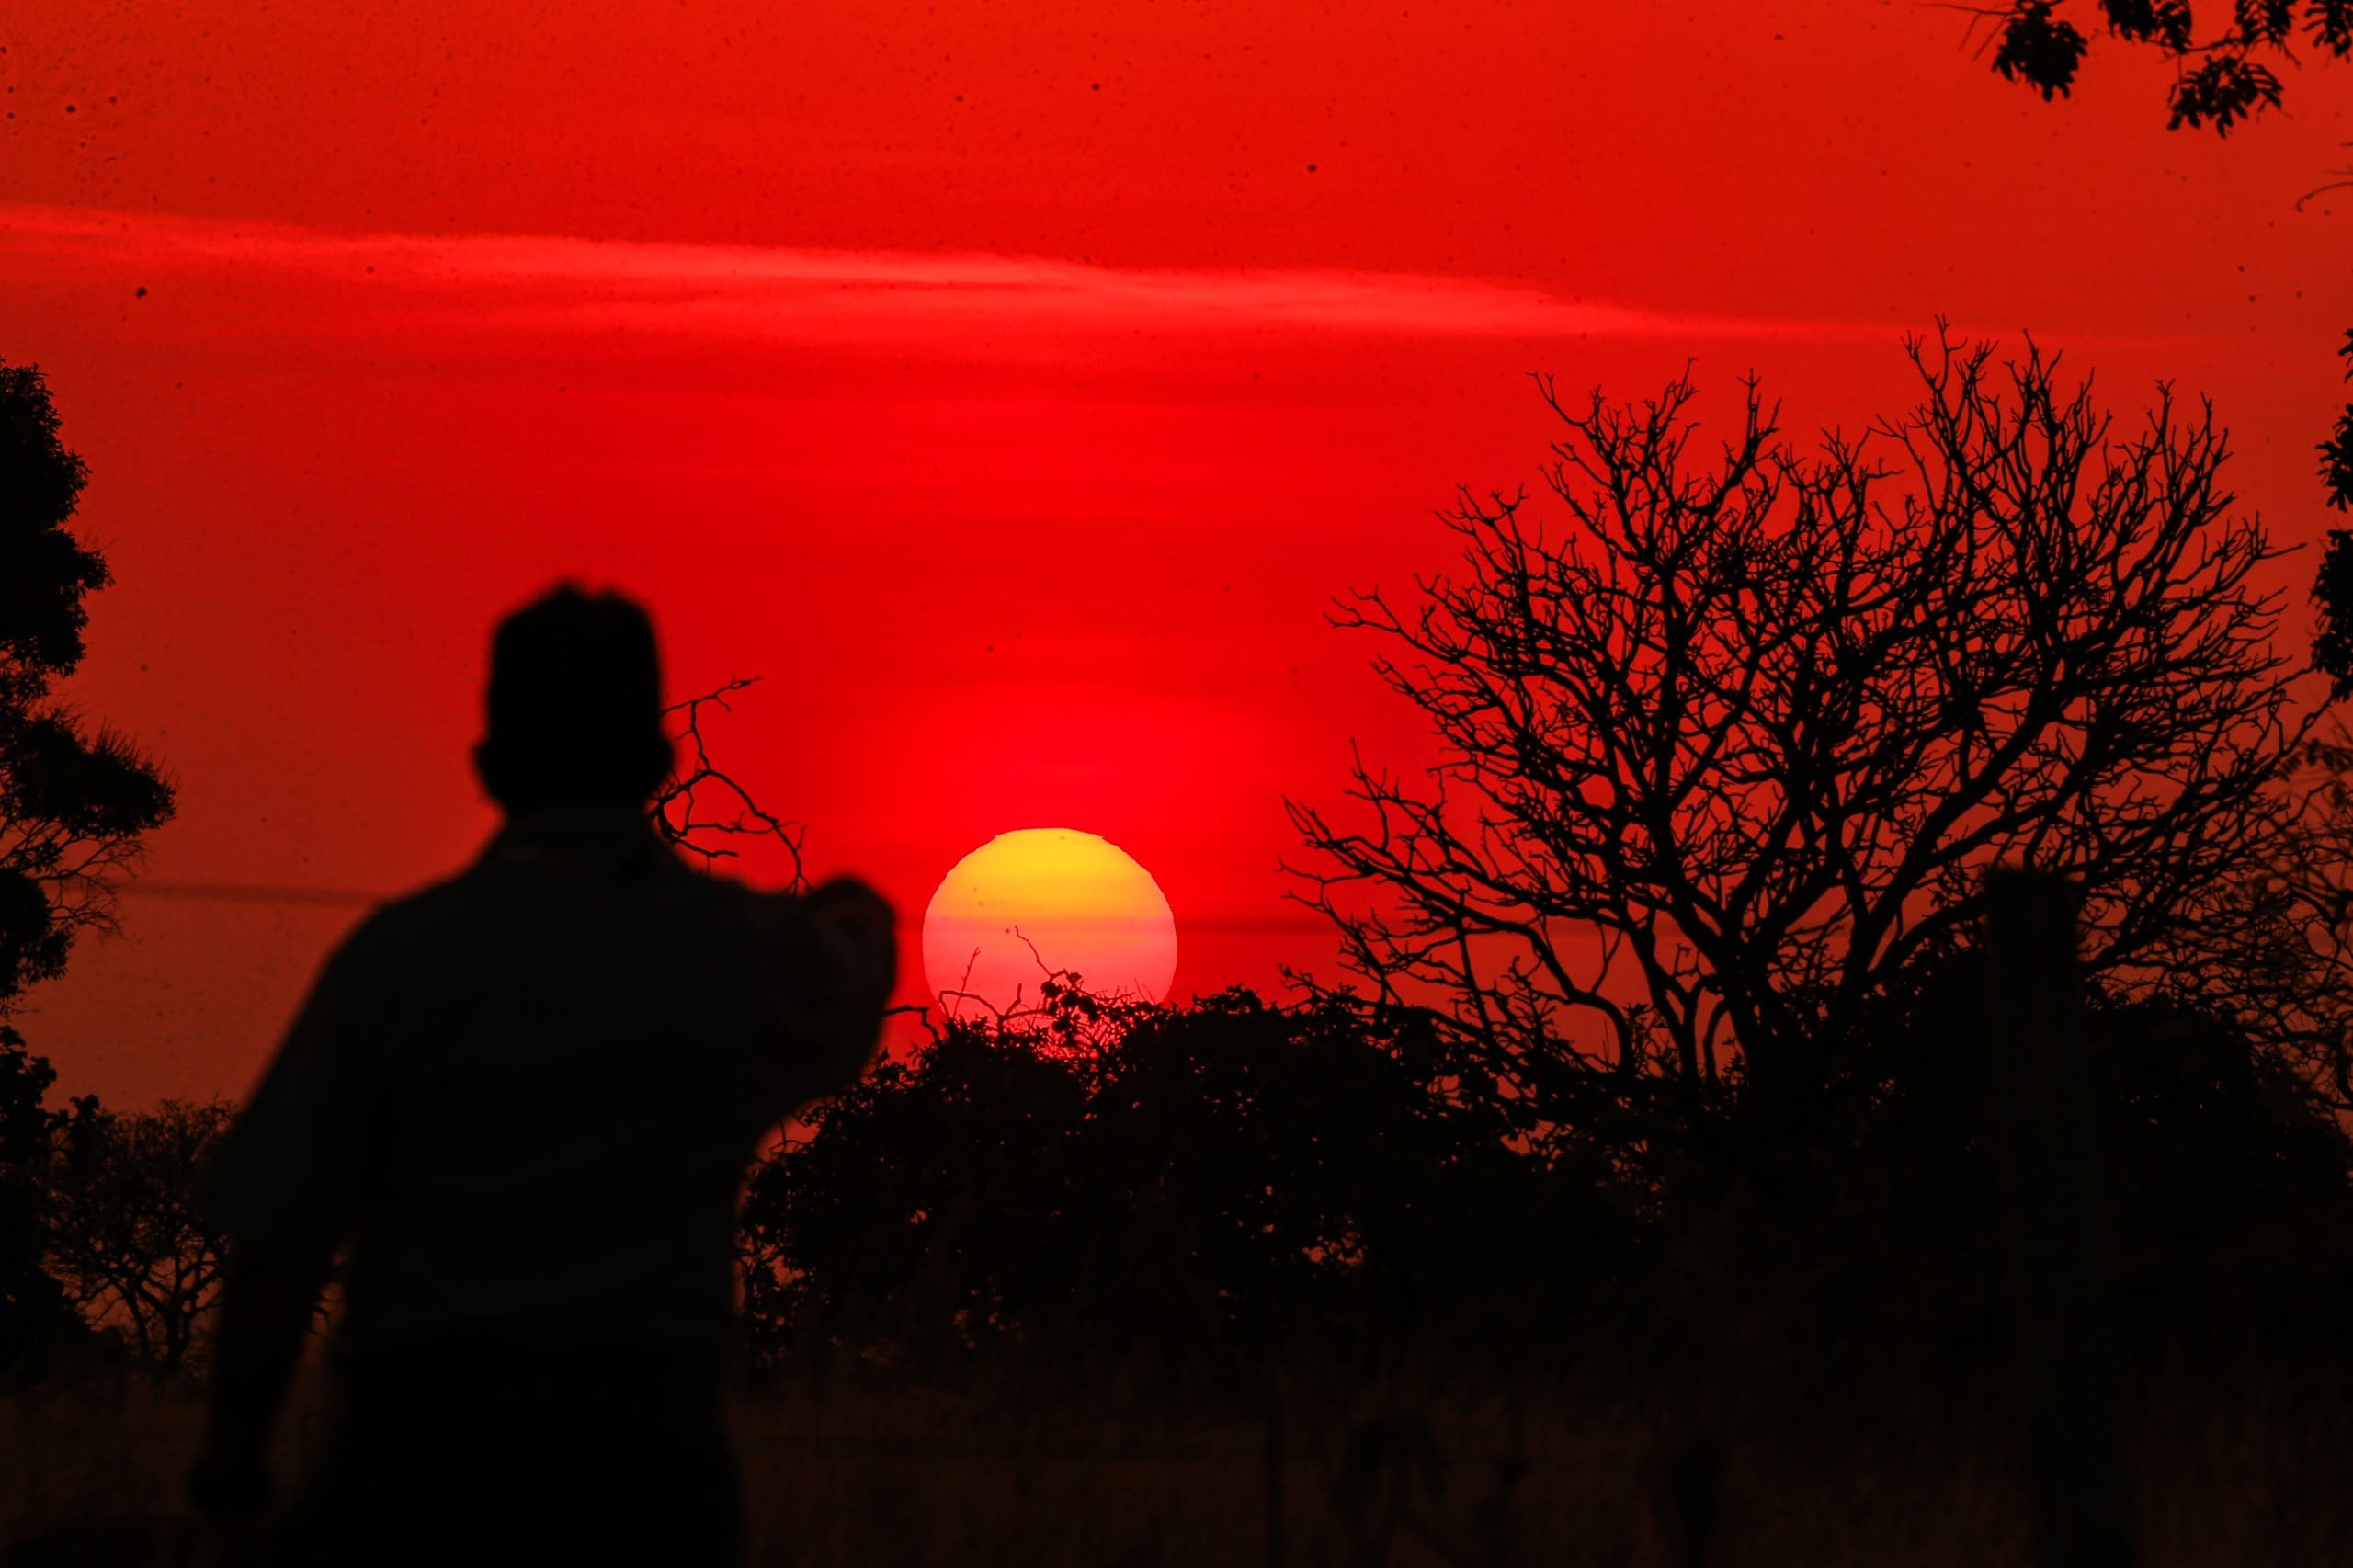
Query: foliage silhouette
(2222, 77)
(2332, 588)
(2336, 453)
(36, 1318)
(1206, 1176)
(1229, 1180)
(73, 803)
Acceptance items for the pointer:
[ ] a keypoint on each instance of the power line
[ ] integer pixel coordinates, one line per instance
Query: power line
(241, 892)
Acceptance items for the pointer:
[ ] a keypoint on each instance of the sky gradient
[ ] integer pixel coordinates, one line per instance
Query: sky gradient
(1009, 385)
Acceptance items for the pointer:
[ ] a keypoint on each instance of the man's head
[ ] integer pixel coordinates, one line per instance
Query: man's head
(575, 705)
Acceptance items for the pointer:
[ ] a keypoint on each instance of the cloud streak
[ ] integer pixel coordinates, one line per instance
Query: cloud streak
(555, 283)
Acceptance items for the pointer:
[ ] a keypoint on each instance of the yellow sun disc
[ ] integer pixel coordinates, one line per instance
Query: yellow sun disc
(1042, 900)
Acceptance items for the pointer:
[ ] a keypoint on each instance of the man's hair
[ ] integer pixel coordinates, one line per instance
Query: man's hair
(574, 704)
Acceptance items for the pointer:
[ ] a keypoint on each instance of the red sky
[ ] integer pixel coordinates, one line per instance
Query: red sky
(1010, 384)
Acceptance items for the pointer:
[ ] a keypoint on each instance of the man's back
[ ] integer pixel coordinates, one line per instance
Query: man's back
(529, 1094)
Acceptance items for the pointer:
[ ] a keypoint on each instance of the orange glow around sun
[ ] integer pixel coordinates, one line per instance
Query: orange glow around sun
(1041, 900)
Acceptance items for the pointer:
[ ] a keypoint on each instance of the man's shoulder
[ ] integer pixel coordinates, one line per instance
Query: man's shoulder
(429, 904)
(399, 922)
(727, 899)
(446, 909)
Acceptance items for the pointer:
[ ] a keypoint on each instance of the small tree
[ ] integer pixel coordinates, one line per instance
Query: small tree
(124, 1233)
(1726, 749)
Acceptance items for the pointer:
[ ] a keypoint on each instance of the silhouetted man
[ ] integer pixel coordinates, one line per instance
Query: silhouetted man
(524, 1100)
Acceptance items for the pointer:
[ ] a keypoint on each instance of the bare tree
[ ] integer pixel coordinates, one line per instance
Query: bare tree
(1727, 748)
(701, 808)
(124, 1235)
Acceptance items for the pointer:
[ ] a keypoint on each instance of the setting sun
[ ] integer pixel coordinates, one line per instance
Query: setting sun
(1042, 900)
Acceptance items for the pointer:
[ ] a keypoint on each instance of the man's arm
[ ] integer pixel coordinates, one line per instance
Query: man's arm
(282, 1184)
(265, 1306)
(857, 951)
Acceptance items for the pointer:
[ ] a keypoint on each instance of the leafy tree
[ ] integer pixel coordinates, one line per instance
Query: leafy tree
(123, 1232)
(1727, 745)
(72, 806)
(1322, 1163)
(2224, 72)
(74, 802)
(934, 1197)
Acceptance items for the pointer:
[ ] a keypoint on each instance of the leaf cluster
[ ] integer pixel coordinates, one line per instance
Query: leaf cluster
(2222, 79)
(2336, 453)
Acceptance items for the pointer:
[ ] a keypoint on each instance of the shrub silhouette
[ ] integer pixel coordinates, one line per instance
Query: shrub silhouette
(1212, 1176)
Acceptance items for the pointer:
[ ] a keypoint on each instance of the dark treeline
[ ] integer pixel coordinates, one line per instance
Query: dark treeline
(1232, 1177)
(1222, 1175)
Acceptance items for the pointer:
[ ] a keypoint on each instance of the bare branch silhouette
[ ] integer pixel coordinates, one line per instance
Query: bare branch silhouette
(1730, 746)
(703, 809)
(1066, 1014)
